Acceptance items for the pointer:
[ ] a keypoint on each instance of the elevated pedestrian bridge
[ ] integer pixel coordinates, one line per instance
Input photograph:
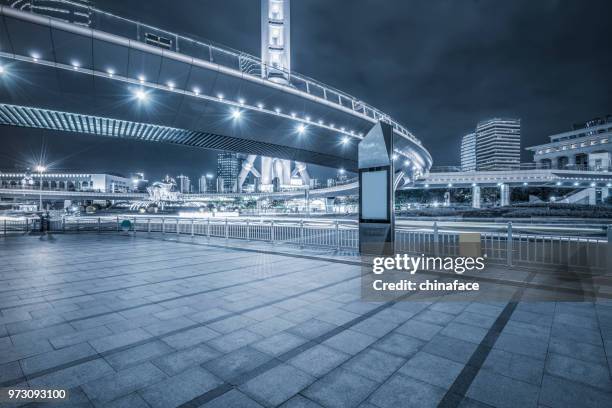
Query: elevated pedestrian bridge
(115, 77)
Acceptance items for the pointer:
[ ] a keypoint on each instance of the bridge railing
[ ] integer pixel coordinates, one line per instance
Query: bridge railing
(205, 50)
(524, 166)
(503, 245)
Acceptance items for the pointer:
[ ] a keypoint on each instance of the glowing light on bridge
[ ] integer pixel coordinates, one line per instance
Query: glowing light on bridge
(236, 114)
(75, 65)
(1, 70)
(593, 184)
(140, 94)
(301, 128)
(35, 56)
(345, 140)
(559, 183)
(170, 84)
(110, 72)
(220, 96)
(141, 79)
(394, 156)
(196, 91)
(260, 105)
(277, 110)
(241, 101)
(576, 183)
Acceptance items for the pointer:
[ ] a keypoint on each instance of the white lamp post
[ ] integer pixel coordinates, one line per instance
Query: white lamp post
(40, 169)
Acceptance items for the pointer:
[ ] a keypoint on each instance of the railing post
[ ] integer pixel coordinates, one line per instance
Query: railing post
(248, 230)
(436, 237)
(226, 229)
(27, 225)
(509, 245)
(609, 249)
(337, 235)
(77, 225)
(63, 224)
(117, 223)
(149, 225)
(178, 226)
(301, 233)
(5, 228)
(163, 225)
(208, 228)
(192, 228)
(134, 227)
(99, 226)
(272, 231)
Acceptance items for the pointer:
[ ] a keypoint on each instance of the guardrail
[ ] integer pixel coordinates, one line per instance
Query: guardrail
(503, 246)
(208, 51)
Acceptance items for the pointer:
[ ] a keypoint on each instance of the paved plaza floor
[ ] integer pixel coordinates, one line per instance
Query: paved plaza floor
(123, 321)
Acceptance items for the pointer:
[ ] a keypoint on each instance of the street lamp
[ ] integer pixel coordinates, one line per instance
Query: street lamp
(40, 169)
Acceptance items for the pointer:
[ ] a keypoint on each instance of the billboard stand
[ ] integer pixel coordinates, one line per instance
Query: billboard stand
(376, 195)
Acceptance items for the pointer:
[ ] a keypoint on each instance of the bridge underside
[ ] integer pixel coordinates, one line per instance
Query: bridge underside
(66, 69)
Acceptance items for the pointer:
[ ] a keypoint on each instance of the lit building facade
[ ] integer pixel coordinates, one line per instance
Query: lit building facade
(105, 183)
(468, 152)
(498, 144)
(183, 184)
(228, 168)
(587, 147)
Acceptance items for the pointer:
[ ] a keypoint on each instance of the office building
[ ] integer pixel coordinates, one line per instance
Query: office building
(468, 152)
(498, 144)
(183, 184)
(228, 168)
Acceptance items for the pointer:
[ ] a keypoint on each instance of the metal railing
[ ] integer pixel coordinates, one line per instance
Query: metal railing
(504, 245)
(244, 63)
(524, 166)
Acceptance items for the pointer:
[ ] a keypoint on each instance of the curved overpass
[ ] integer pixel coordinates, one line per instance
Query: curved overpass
(109, 80)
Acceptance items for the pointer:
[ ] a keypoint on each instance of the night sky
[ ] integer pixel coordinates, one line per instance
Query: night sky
(436, 66)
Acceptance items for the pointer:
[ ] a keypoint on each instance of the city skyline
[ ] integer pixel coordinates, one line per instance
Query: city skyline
(547, 108)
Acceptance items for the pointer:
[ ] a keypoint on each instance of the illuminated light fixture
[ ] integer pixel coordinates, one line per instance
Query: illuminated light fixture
(236, 114)
(352, 132)
(260, 105)
(75, 65)
(301, 128)
(170, 84)
(320, 122)
(415, 168)
(307, 118)
(609, 185)
(360, 134)
(341, 171)
(110, 72)
(1, 69)
(40, 168)
(196, 91)
(450, 184)
(426, 185)
(525, 183)
(559, 183)
(345, 140)
(474, 184)
(394, 156)
(342, 129)
(140, 94)
(141, 78)
(241, 101)
(220, 96)
(593, 184)
(277, 110)
(293, 114)
(407, 163)
(331, 125)
(576, 183)
(35, 56)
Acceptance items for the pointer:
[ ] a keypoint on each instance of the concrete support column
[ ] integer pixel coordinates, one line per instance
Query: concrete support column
(475, 196)
(504, 195)
(605, 193)
(554, 162)
(571, 160)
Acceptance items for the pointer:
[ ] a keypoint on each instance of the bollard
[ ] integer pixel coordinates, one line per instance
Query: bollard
(509, 245)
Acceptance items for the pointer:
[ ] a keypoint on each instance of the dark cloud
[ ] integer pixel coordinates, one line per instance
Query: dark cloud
(437, 66)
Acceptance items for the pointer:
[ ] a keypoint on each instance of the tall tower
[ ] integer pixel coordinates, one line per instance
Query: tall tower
(275, 39)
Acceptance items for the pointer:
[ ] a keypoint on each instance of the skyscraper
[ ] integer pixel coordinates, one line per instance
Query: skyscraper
(183, 184)
(498, 144)
(228, 168)
(275, 39)
(468, 152)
